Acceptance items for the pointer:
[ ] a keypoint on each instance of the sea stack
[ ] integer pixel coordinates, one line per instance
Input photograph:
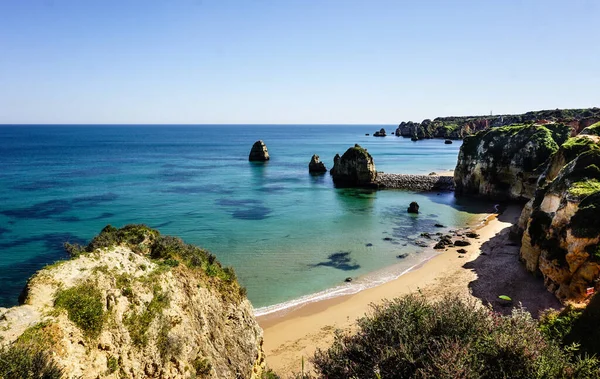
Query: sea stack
(380, 133)
(316, 166)
(259, 152)
(354, 169)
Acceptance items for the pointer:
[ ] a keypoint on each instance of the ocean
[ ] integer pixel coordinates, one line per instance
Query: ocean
(290, 236)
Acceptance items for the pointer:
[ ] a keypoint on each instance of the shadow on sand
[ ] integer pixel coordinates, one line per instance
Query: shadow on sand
(499, 272)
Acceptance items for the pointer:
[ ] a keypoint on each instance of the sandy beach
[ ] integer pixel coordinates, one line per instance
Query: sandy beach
(489, 268)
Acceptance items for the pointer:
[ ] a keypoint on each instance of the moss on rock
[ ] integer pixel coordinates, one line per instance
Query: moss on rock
(586, 223)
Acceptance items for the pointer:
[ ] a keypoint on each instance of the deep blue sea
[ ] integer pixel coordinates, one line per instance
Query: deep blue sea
(287, 234)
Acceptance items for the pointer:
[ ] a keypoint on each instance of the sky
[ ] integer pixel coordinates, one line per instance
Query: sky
(293, 61)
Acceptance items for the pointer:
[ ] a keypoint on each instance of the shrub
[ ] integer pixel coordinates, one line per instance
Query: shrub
(84, 306)
(410, 338)
(138, 323)
(18, 361)
(202, 366)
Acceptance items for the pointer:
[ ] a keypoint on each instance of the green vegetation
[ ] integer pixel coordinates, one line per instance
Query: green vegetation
(112, 365)
(502, 144)
(579, 328)
(29, 356)
(84, 306)
(138, 323)
(585, 188)
(586, 223)
(19, 361)
(202, 366)
(168, 345)
(576, 146)
(410, 338)
(168, 252)
(594, 129)
(356, 152)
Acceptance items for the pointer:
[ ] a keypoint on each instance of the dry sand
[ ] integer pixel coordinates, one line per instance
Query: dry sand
(489, 268)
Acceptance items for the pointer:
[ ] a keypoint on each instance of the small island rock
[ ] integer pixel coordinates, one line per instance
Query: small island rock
(316, 166)
(380, 133)
(448, 142)
(354, 169)
(413, 207)
(259, 152)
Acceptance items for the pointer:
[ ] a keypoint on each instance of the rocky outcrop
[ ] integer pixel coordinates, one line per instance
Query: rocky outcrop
(413, 207)
(136, 304)
(560, 226)
(259, 152)
(380, 133)
(593, 129)
(505, 163)
(316, 166)
(460, 127)
(354, 169)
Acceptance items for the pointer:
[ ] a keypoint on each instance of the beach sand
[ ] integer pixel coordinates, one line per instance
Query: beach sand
(489, 268)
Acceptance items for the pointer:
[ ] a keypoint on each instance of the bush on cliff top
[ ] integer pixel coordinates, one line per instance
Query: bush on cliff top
(502, 143)
(84, 306)
(166, 251)
(411, 338)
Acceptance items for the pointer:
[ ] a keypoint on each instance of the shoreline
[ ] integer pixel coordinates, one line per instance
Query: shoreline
(297, 333)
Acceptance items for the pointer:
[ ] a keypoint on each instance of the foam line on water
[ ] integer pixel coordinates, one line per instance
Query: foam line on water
(362, 284)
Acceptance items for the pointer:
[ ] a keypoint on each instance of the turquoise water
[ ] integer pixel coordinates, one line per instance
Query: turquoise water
(288, 234)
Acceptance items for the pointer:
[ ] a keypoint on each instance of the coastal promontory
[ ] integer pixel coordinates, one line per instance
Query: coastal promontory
(505, 163)
(135, 304)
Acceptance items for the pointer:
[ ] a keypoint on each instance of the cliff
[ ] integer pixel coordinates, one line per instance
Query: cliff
(560, 227)
(136, 304)
(505, 162)
(460, 127)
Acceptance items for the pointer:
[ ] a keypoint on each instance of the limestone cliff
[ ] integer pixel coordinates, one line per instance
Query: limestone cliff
(460, 127)
(135, 304)
(506, 162)
(560, 226)
(354, 169)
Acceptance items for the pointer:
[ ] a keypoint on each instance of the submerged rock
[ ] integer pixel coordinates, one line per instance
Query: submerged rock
(316, 166)
(259, 152)
(413, 207)
(354, 169)
(402, 256)
(348, 280)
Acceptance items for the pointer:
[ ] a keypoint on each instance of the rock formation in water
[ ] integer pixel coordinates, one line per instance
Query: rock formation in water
(135, 304)
(354, 169)
(460, 127)
(505, 163)
(561, 225)
(316, 166)
(413, 207)
(380, 133)
(259, 152)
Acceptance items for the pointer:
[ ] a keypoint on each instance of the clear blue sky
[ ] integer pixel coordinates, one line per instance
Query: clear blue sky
(293, 61)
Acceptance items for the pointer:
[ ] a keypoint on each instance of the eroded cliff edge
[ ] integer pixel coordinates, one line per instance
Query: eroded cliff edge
(559, 228)
(134, 303)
